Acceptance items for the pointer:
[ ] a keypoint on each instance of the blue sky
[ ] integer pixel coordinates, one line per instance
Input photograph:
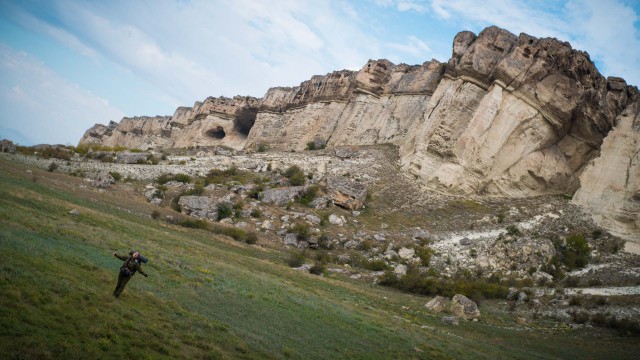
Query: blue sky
(66, 65)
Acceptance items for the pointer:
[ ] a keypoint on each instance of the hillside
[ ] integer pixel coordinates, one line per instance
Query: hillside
(209, 296)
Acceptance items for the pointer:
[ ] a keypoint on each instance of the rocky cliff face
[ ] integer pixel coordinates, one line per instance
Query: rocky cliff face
(507, 115)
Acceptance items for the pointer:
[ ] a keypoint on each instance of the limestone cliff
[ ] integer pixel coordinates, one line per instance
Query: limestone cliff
(507, 115)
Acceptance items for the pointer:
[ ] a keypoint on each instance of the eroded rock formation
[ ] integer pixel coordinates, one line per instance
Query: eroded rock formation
(507, 115)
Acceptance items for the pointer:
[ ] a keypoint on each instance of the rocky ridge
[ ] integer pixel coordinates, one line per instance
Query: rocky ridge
(507, 115)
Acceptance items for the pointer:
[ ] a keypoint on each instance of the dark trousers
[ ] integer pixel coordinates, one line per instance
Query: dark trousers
(122, 282)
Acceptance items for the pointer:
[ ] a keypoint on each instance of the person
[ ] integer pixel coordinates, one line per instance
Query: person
(129, 267)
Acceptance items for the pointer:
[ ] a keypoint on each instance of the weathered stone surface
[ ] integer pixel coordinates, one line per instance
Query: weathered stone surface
(437, 304)
(400, 270)
(201, 206)
(451, 320)
(463, 307)
(74, 212)
(346, 193)
(336, 220)
(291, 239)
(406, 253)
(126, 157)
(100, 179)
(281, 196)
(314, 219)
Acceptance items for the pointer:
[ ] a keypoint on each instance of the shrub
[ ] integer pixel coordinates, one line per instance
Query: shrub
(53, 166)
(193, 223)
(155, 214)
(107, 159)
(116, 175)
(295, 260)
(424, 253)
(317, 269)
(374, 265)
(513, 230)
(596, 233)
(295, 175)
(261, 147)
(224, 211)
(252, 238)
(301, 230)
(184, 178)
(256, 213)
(308, 195)
(575, 253)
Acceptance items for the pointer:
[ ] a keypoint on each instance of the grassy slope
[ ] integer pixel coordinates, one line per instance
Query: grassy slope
(209, 297)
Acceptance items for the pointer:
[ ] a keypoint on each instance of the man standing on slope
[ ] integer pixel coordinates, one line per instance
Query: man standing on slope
(130, 266)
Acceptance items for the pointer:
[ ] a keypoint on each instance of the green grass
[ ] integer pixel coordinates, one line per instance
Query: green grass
(210, 297)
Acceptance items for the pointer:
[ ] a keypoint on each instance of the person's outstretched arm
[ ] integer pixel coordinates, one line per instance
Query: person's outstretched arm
(139, 268)
(123, 258)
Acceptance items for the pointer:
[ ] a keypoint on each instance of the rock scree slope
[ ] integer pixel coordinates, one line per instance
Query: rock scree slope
(507, 115)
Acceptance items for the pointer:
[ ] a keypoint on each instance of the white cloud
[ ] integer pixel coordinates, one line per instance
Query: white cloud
(404, 5)
(42, 105)
(414, 47)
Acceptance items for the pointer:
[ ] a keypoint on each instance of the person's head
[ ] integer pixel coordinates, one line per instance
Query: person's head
(135, 254)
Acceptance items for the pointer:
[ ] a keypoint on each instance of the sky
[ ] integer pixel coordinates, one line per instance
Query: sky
(68, 64)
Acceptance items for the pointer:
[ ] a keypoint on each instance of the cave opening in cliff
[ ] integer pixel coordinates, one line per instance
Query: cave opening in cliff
(244, 120)
(217, 133)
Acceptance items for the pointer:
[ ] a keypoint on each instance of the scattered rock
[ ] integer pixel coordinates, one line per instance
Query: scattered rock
(379, 237)
(281, 196)
(521, 321)
(201, 206)
(437, 304)
(513, 293)
(100, 179)
(314, 219)
(346, 193)
(464, 307)
(126, 157)
(400, 270)
(344, 153)
(351, 244)
(406, 253)
(522, 296)
(291, 239)
(267, 225)
(451, 320)
(319, 202)
(74, 212)
(465, 241)
(336, 220)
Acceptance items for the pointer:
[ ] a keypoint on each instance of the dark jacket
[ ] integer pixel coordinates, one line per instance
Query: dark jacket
(130, 263)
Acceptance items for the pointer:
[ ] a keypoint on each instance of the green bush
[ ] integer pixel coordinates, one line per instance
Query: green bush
(224, 211)
(256, 213)
(165, 178)
(316, 269)
(295, 260)
(574, 254)
(155, 214)
(513, 230)
(184, 178)
(116, 175)
(301, 230)
(193, 223)
(52, 167)
(295, 175)
(308, 195)
(424, 253)
(374, 265)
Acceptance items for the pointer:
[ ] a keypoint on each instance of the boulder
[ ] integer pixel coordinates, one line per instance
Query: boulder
(319, 202)
(126, 157)
(464, 307)
(351, 244)
(406, 253)
(522, 296)
(281, 196)
(74, 212)
(336, 220)
(465, 241)
(291, 239)
(344, 153)
(346, 193)
(201, 206)
(437, 304)
(390, 254)
(312, 218)
(153, 194)
(451, 320)
(267, 225)
(400, 270)
(379, 237)
(100, 179)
